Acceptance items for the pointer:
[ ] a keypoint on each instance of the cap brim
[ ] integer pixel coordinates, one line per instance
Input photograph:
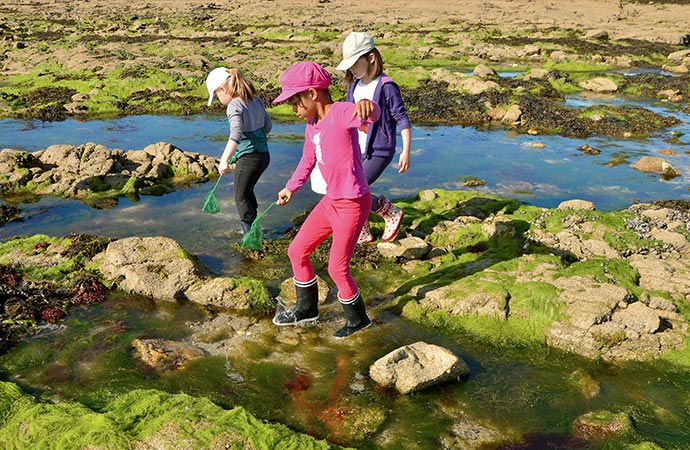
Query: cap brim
(346, 63)
(286, 94)
(210, 99)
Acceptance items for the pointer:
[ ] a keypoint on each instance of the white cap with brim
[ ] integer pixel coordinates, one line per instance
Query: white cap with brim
(356, 44)
(214, 80)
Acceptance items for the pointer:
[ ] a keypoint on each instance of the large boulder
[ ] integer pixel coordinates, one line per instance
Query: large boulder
(158, 267)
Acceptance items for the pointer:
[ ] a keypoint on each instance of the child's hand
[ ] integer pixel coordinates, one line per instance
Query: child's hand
(284, 197)
(363, 109)
(404, 162)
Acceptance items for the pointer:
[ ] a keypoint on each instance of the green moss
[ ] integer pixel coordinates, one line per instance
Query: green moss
(63, 425)
(679, 358)
(600, 112)
(577, 70)
(605, 424)
(603, 270)
(131, 186)
(28, 245)
(147, 418)
(260, 298)
(282, 112)
(535, 300)
(514, 332)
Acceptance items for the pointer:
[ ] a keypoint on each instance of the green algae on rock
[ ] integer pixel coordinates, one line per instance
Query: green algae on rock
(148, 418)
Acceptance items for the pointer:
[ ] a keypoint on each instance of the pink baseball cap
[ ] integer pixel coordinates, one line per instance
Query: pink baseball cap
(301, 77)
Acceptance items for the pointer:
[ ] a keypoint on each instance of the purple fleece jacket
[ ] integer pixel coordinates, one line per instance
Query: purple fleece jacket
(381, 138)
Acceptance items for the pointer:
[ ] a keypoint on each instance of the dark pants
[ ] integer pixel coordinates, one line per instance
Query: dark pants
(248, 170)
(373, 168)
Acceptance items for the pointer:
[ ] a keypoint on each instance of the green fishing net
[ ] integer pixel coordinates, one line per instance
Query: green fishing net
(255, 236)
(211, 204)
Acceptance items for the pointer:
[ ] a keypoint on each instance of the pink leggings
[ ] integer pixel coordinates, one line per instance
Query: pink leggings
(344, 218)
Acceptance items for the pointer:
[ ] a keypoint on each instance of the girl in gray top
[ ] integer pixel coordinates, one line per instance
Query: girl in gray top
(247, 145)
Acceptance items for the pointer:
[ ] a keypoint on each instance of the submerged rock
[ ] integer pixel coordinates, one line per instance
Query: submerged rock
(602, 425)
(164, 355)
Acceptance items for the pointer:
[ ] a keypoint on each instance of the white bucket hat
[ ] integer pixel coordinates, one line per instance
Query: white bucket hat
(356, 44)
(214, 80)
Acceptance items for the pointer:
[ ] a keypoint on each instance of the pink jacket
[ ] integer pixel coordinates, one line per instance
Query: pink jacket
(333, 144)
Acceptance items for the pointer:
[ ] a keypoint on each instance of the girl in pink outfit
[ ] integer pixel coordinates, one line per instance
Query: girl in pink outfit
(331, 142)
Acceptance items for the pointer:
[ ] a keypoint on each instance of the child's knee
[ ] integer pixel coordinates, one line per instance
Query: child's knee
(296, 252)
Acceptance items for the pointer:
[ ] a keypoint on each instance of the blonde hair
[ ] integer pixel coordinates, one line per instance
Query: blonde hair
(374, 70)
(240, 86)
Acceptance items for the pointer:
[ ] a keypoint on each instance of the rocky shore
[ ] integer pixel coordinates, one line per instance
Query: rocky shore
(605, 286)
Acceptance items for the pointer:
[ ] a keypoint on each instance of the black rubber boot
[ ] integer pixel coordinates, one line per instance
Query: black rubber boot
(355, 318)
(306, 309)
(245, 226)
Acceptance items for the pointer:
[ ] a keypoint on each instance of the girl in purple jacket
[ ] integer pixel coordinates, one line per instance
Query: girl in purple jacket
(364, 75)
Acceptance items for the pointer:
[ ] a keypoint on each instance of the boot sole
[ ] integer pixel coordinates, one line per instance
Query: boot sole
(358, 329)
(307, 321)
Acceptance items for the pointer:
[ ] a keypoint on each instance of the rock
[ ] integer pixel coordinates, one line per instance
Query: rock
(417, 366)
(638, 317)
(229, 293)
(468, 434)
(427, 195)
(487, 302)
(601, 321)
(587, 385)
(530, 50)
(666, 275)
(678, 57)
(477, 86)
(677, 240)
(576, 205)
(484, 71)
(600, 425)
(156, 267)
(500, 226)
(600, 35)
(589, 150)
(537, 74)
(77, 171)
(654, 164)
(512, 116)
(681, 68)
(410, 247)
(159, 268)
(599, 84)
(163, 355)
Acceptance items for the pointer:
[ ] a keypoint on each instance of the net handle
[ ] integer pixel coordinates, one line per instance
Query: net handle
(216, 185)
(265, 211)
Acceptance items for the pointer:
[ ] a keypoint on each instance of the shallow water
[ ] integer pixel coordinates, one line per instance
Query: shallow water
(540, 170)
(317, 385)
(518, 391)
